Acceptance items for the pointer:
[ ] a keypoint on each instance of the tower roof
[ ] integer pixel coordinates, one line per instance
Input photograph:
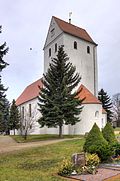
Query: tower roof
(73, 30)
(30, 92)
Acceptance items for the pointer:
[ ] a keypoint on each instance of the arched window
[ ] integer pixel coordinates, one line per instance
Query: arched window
(55, 47)
(75, 45)
(30, 112)
(22, 112)
(97, 114)
(49, 52)
(88, 49)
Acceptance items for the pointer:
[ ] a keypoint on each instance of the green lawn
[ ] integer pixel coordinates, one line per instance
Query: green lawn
(31, 138)
(37, 164)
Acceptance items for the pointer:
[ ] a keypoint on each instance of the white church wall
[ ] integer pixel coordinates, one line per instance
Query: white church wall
(104, 119)
(91, 113)
(84, 62)
(53, 32)
(35, 114)
(47, 58)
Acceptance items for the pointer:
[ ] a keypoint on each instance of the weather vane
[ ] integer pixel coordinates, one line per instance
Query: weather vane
(70, 13)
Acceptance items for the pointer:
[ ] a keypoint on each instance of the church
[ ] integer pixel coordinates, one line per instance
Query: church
(82, 53)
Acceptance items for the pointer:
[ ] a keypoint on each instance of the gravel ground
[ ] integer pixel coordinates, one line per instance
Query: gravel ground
(7, 144)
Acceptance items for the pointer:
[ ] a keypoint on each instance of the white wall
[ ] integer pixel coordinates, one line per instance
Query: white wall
(88, 119)
(87, 116)
(104, 119)
(83, 61)
(47, 59)
(36, 127)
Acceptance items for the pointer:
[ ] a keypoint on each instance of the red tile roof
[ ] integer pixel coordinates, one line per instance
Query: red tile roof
(31, 92)
(89, 97)
(73, 30)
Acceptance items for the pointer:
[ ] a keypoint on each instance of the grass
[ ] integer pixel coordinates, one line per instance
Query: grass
(37, 164)
(33, 138)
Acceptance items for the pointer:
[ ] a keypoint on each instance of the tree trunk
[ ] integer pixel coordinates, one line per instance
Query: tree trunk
(60, 131)
(14, 131)
(25, 136)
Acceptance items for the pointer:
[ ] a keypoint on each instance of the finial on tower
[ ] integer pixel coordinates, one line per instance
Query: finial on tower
(70, 13)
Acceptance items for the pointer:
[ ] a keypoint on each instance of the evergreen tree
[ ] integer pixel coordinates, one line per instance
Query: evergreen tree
(14, 122)
(106, 103)
(3, 64)
(108, 134)
(4, 117)
(3, 51)
(58, 103)
(96, 143)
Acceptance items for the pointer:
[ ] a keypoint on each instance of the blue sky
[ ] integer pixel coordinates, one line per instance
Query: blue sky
(25, 24)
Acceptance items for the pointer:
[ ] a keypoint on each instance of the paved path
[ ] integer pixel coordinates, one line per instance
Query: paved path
(7, 144)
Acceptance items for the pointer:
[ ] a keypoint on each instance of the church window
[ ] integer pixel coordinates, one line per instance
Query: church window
(30, 110)
(75, 45)
(88, 49)
(97, 114)
(55, 47)
(22, 112)
(49, 52)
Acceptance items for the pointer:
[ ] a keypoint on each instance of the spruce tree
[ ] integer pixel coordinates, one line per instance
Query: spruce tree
(3, 51)
(58, 103)
(3, 64)
(96, 143)
(14, 122)
(106, 103)
(4, 117)
(108, 134)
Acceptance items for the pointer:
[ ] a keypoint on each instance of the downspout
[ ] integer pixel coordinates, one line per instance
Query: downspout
(94, 64)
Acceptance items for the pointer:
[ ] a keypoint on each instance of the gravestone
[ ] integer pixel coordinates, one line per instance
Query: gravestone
(78, 159)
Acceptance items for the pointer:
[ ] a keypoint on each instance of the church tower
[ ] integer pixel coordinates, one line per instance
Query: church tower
(79, 46)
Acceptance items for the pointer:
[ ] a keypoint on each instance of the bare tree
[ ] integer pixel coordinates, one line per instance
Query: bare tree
(116, 109)
(28, 122)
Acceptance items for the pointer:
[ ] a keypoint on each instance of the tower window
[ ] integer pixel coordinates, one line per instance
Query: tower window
(75, 45)
(88, 49)
(49, 52)
(55, 47)
(30, 110)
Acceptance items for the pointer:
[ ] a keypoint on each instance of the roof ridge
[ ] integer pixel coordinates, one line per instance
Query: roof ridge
(68, 23)
(33, 82)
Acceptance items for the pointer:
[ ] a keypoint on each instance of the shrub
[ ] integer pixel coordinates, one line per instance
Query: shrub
(116, 149)
(108, 134)
(92, 160)
(66, 168)
(95, 143)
